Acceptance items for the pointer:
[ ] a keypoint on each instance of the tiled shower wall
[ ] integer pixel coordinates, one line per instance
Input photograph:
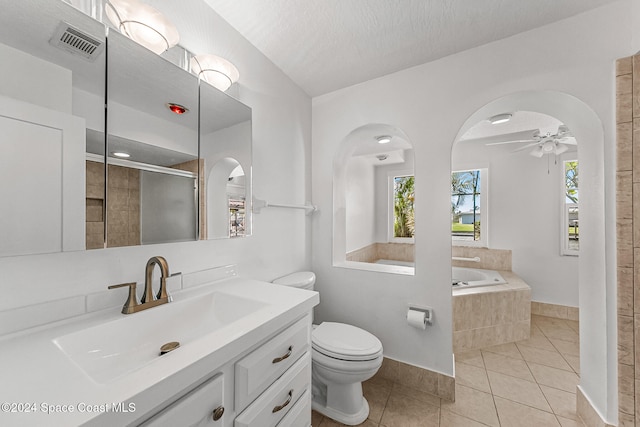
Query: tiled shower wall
(628, 236)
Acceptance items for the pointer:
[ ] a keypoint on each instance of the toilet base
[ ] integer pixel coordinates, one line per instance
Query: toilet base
(348, 419)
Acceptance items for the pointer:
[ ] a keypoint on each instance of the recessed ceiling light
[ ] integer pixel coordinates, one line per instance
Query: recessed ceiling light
(500, 118)
(177, 108)
(121, 154)
(383, 139)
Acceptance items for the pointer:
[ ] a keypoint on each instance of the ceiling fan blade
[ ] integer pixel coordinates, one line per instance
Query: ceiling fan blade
(563, 130)
(569, 140)
(535, 141)
(523, 136)
(524, 147)
(560, 148)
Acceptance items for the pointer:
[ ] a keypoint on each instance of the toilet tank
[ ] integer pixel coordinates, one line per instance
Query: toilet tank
(301, 279)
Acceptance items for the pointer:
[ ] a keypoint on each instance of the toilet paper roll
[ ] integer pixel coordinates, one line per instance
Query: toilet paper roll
(417, 319)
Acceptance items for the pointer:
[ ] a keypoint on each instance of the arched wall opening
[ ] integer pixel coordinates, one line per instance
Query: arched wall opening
(598, 381)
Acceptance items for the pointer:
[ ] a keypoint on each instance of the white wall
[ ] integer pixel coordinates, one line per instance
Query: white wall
(430, 103)
(360, 196)
(524, 215)
(280, 242)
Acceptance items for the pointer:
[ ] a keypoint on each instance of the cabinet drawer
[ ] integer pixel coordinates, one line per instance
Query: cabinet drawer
(255, 372)
(195, 409)
(277, 401)
(300, 414)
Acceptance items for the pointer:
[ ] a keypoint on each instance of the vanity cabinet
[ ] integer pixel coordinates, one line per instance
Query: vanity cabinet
(203, 406)
(267, 385)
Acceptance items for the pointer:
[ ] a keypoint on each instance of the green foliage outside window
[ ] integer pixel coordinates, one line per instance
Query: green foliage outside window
(403, 213)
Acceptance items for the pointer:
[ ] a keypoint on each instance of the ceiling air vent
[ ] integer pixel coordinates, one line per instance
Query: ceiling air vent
(76, 42)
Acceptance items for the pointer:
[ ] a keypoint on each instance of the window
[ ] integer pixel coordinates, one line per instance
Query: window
(403, 211)
(468, 207)
(570, 221)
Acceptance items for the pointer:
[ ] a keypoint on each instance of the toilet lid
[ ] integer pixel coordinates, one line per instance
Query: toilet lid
(345, 342)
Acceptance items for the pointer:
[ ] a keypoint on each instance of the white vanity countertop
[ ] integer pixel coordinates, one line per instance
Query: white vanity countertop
(37, 376)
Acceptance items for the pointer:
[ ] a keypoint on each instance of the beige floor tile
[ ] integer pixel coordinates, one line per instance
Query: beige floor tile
(509, 349)
(316, 418)
(518, 390)
(513, 414)
(404, 411)
(377, 393)
(473, 404)
(574, 362)
(473, 357)
(449, 419)
(562, 403)
(417, 394)
(472, 376)
(573, 324)
(566, 347)
(566, 422)
(327, 422)
(537, 339)
(507, 365)
(556, 378)
(544, 357)
(561, 334)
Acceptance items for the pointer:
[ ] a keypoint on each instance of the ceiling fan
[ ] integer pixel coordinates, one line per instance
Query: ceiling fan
(554, 144)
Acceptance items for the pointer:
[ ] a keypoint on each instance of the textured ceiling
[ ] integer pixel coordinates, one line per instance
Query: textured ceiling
(330, 44)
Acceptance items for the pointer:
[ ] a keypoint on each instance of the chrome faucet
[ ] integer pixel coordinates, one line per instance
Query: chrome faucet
(148, 300)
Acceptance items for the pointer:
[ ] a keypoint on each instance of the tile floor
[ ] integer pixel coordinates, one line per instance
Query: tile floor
(527, 383)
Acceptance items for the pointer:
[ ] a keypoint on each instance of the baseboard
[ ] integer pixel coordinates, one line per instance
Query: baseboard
(432, 382)
(554, 310)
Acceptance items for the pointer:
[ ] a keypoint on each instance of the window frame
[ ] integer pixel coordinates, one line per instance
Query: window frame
(484, 209)
(391, 176)
(564, 210)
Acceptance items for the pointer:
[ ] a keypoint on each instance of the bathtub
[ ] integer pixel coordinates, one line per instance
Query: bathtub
(472, 277)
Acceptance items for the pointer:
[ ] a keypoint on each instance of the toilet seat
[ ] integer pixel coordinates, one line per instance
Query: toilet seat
(345, 342)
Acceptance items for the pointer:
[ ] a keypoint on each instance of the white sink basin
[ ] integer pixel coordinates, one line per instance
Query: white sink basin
(110, 350)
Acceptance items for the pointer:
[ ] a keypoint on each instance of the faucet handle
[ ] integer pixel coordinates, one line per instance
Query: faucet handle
(132, 299)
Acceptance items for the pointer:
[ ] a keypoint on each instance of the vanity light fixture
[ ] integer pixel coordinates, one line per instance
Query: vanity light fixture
(500, 118)
(143, 24)
(121, 154)
(383, 139)
(177, 108)
(216, 71)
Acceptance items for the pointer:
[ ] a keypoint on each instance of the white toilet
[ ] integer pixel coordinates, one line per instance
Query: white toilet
(343, 356)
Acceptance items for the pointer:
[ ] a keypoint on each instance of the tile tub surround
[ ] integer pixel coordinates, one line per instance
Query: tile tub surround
(528, 383)
(490, 259)
(491, 315)
(375, 251)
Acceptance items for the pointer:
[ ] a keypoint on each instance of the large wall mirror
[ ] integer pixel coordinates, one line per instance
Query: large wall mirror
(52, 94)
(156, 188)
(225, 148)
(152, 147)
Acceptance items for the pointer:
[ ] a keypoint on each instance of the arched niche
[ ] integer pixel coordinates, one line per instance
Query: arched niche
(365, 170)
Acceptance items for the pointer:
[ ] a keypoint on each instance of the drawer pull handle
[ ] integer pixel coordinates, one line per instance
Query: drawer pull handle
(217, 413)
(284, 405)
(281, 358)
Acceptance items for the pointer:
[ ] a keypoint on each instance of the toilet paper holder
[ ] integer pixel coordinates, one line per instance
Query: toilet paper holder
(427, 310)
